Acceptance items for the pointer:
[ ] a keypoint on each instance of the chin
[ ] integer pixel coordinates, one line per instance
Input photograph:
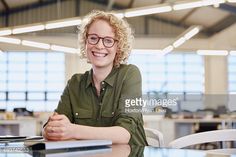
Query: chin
(100, 65)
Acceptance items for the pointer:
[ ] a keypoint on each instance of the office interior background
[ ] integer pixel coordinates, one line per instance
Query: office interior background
(180, 49)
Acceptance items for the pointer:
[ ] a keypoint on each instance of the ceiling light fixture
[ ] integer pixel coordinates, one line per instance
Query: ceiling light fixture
(212, 2)
(63, 49)
(154, 9)
(231, 1)
(147, 10)
(38, 45)
(233, 53)
(186, 35)
(60, 24)
(190, 5)
(179, 42)
(5, 32)
(167, 50)
(10, 40)
(196, 4)
(192, 32)
(35, 44)
(27, 29)
(119, 14)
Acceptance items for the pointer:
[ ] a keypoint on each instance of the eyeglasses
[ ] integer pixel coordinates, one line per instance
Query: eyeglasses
(93, 39)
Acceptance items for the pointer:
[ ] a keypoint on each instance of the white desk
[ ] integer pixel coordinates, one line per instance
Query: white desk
(22, 127)
(175, 128)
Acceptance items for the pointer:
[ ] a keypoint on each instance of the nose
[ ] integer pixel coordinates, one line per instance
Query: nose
(100, 44)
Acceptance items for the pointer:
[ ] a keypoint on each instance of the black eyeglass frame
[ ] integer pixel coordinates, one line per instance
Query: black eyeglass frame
(115, 40)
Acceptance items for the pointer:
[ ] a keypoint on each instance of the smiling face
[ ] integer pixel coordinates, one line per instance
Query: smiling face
(99, 55)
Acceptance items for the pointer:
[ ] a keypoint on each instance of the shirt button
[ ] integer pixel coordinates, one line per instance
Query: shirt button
(76, 114)
(102, 82)
(103, 88)
(112, 113)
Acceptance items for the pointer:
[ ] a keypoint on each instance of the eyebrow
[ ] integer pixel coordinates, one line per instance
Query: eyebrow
(101, 36)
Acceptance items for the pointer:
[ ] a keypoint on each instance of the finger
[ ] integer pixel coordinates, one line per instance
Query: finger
(55, 123)
(57, 130)
(48, 129)
(53, 130)
(55, 139)
(58, 117)
(55, 113)
(54, 135)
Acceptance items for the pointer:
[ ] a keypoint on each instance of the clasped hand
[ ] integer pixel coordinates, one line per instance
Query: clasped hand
(58, 127)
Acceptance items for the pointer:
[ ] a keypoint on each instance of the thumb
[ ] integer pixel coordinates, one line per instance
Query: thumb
(55, 113)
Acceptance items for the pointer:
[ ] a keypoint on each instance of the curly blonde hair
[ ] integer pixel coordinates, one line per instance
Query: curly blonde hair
(123, 34)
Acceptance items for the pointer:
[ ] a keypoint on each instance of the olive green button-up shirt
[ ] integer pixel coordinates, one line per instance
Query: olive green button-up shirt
(80, 103)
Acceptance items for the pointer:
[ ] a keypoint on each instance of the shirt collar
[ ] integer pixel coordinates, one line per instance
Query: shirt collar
(89, 78)
(110, 79)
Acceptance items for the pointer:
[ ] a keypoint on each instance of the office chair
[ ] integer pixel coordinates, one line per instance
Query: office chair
(204, 137)
(154, 137)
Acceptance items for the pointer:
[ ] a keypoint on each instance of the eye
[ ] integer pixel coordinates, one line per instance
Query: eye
(108, 40)
(93, 38)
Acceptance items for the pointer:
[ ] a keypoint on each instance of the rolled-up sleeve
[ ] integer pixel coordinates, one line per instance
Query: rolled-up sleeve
(131, 121)
(64, 105)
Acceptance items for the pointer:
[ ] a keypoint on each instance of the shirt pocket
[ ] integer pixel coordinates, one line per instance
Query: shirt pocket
(106, 114)
(83, 117)
(108, 118)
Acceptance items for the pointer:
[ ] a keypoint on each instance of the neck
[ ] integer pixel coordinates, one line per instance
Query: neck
(99, 74)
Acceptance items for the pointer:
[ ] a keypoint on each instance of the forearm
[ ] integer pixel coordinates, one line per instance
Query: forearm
(117, 134)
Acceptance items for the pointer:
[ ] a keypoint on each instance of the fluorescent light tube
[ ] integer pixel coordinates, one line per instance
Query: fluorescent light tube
(5, 32)
(182, 6)
(10, 40)
(191, 33)
(196, 4)
(232, 1)
(212, 2)
(28, 29)
(63, 24)
(119, 15)
(233, 53)
(179, 42)
(212, 52)
(35, 44)
(146, 51)
(147, 11)
(168, 49)
(63, 49)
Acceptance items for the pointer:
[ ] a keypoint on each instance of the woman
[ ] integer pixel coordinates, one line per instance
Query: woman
(92, 104)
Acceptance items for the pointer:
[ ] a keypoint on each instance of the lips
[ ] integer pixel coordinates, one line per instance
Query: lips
(98, 54)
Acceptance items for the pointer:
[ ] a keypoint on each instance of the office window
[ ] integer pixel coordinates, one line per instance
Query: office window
(34, 80)
(232, 74)
(173, 73)
(232, 83)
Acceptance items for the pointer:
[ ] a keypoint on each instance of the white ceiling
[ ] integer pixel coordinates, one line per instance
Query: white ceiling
(209, 17)
(205, 16)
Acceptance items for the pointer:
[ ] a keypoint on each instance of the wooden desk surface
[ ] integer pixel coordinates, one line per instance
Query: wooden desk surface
(187, 120)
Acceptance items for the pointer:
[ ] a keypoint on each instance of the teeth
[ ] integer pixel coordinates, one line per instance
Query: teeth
(99, 54)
